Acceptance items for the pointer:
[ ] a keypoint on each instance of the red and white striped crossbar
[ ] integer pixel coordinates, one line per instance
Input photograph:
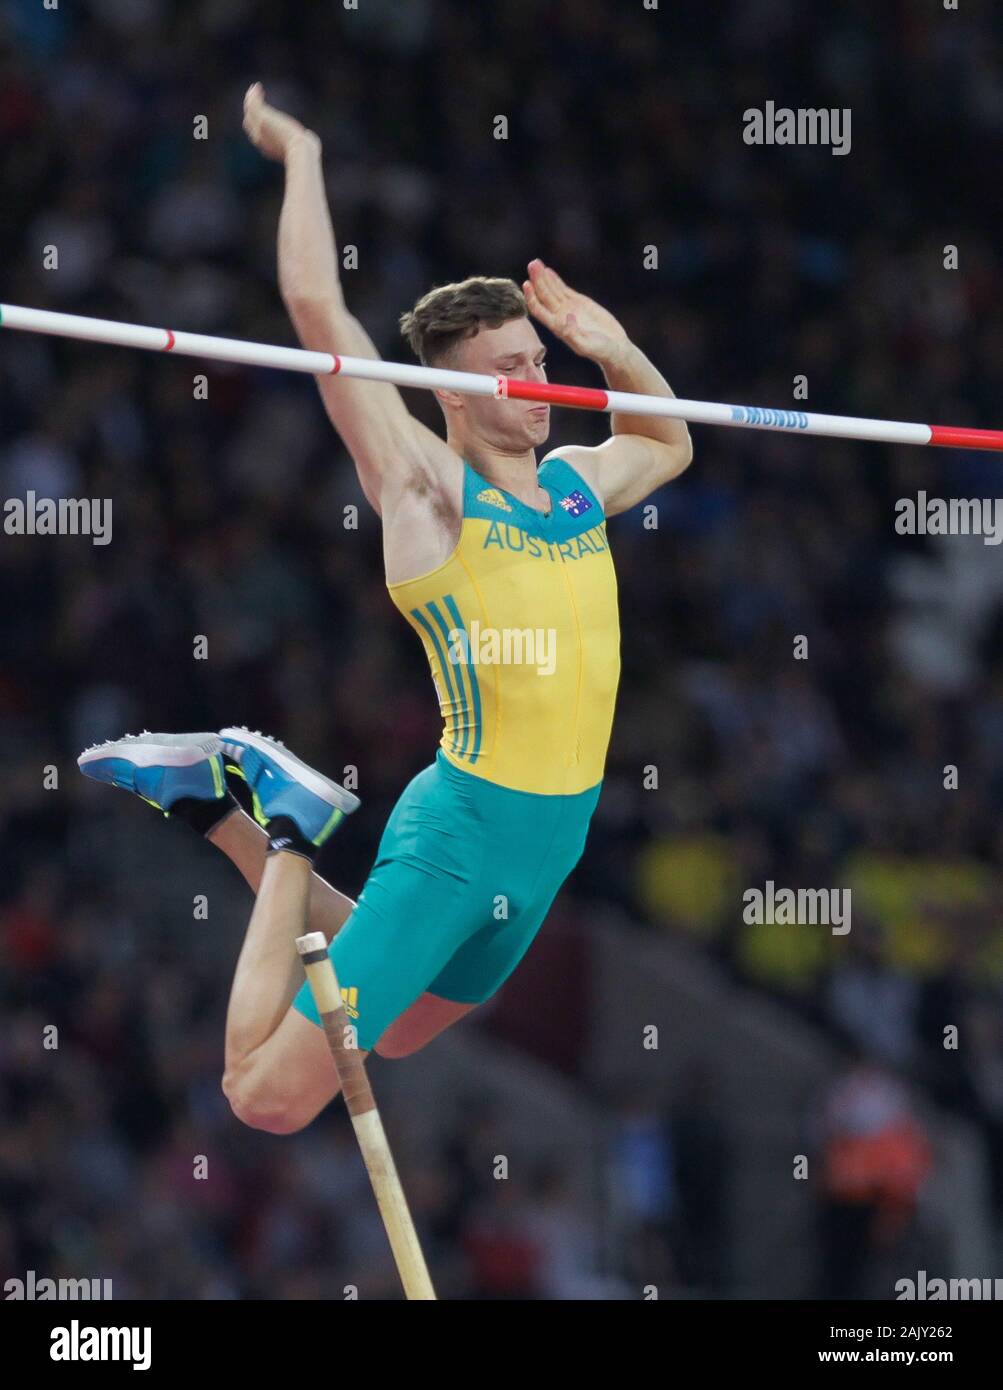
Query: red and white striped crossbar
(475, 384)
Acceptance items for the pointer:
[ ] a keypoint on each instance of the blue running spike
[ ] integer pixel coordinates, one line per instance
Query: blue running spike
(283, 785)
(159, 768)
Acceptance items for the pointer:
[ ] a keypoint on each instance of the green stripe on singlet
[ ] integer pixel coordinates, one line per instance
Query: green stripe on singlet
(475, 689)
(457, 669)
(444, 663)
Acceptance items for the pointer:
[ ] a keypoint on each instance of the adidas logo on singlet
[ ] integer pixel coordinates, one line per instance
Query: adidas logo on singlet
(493, 497)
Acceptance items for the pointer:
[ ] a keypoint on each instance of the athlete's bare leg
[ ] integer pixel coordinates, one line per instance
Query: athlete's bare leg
(245, 844)
(278, 1072)
(278, 1069)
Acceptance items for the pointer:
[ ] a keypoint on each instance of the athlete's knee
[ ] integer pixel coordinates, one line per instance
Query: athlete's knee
(416, 1027)
(394, 1045)
(257, 1104)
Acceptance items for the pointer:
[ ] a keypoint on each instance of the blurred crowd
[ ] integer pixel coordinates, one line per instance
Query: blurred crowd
(831, 768)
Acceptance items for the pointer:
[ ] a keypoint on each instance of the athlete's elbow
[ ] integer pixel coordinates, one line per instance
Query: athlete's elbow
(678, 458)
(255, 1107)
(315, 315)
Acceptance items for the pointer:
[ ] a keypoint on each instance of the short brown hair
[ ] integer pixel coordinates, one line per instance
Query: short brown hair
(448, 314)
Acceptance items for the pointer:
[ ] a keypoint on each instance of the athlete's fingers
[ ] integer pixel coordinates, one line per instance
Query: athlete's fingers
(542, 285)
(256, 111)
(550, 287)
(546, 294)
(555, 281)
(252, 111)
(546, 316)
(253, 100)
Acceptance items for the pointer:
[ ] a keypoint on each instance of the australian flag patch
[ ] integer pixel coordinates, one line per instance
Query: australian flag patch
(575, 503)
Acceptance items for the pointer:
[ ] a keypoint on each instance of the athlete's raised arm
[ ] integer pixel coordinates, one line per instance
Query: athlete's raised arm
(645, 451)
(386, 442)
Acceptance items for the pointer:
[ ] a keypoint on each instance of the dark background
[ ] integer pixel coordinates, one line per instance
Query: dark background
(625, 133)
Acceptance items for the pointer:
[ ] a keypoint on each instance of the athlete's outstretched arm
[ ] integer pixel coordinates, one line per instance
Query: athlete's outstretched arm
(645, 451)
(383, 437)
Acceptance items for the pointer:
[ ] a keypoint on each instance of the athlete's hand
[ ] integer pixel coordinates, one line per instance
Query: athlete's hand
(586, 327)
(270, 130)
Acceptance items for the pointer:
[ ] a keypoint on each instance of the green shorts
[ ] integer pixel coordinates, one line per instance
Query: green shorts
(465, 873)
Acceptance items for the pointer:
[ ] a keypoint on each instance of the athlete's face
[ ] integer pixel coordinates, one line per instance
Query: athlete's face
(513, 350)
